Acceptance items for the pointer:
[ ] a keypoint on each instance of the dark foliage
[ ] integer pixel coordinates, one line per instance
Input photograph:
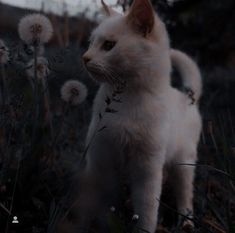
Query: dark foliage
(38, 176)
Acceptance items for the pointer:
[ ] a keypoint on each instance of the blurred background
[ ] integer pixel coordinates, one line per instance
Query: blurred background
(38, 177)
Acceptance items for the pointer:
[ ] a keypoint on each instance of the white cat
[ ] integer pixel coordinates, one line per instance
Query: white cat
(154, 126)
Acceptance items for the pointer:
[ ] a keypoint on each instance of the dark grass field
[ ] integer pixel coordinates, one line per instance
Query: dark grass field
(39, 169)
(38, 174)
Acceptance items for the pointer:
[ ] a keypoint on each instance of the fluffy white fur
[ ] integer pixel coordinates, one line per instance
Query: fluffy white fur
(155, 126)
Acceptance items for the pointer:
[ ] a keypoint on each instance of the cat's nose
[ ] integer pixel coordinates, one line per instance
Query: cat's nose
(86, 59)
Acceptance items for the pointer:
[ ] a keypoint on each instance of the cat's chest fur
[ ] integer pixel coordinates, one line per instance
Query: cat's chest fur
(137, 116)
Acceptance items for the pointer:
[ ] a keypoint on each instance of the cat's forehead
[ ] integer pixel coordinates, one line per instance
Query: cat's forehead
(110, 27)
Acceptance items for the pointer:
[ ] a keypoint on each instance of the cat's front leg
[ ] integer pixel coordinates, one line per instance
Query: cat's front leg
(183, 177)
(146, 178)
(100, 183)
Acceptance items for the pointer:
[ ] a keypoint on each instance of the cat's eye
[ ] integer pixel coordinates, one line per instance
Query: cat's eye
(108, 45)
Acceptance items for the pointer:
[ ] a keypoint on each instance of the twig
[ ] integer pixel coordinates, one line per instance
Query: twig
(213, 225)
(216, 214)
(13, 194)
(5, 94)
(183, 215)
(231, 123)
(211, 132)
(36, 97)
(66, 29)
(209, 167)
(4, 208)
(64, 113)
(46, 94)
(68, 210)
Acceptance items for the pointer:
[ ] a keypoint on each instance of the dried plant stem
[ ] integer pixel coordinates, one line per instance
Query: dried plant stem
(209, 168)
(231, 123)
(5, 209)
(232, 186)
(6, 92)
(36, 98)
(6, 108)
(57, 31)
(211, 132)
(48, 113)
(213, 225)
(184, 216)
(68, 210)
(31, 84)
(65, 112)
(2, 108)
(4, 87)
(6, 148)
(203, 137)
(13, 195)
(66, 29)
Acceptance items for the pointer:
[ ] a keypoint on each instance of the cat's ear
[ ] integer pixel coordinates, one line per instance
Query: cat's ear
(141, 16)
(108, 10)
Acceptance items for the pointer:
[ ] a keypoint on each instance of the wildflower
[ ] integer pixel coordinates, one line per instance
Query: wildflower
(4, 53)
(73, 92)
(112, 209)
(42, 68)
(135, 217)
(35, 29)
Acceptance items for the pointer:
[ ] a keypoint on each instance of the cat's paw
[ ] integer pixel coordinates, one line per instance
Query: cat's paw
(162, 229)
(188, 226)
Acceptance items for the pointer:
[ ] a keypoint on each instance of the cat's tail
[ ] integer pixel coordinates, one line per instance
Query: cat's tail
(190, 73)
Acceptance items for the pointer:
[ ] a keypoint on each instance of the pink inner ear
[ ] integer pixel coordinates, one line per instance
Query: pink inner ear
(146, 15)
(142, 16)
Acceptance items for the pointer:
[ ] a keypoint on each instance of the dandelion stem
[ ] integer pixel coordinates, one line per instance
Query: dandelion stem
(211, 131)
(13, 194)
(4, 87)
(231, 123)
(5, 209)
(65, 112)
(48, 116)
(36, 96)
(6, 107)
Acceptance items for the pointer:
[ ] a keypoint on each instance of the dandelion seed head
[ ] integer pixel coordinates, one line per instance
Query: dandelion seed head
(73, 92)
(4, 53)
(42, 68)
(135, 217)
(112, 209)
(35, 28)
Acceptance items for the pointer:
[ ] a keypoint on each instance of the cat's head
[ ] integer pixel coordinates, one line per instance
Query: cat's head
(123, 47)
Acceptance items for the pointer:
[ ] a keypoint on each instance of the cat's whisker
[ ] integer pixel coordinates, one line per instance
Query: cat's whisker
(114, 76)
(108, 74)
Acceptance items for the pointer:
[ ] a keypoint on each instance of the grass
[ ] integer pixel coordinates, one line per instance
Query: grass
(38, 167)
